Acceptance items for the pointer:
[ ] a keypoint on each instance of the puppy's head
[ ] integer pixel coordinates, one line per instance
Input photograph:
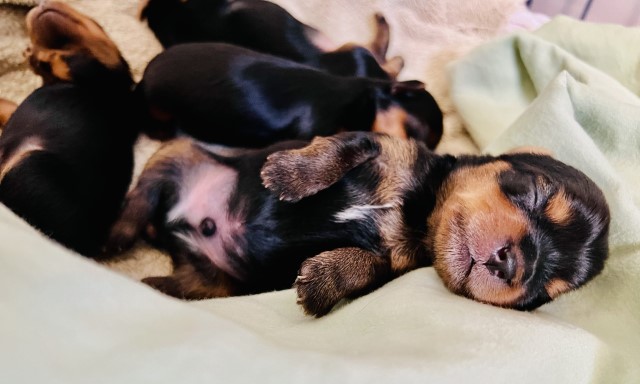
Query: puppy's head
(405, 109)
(69, 46)
(179, 21)
(518, 230)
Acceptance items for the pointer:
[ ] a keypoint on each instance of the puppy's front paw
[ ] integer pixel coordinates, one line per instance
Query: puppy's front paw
(291, 176)
(165, 284)
(317, 286)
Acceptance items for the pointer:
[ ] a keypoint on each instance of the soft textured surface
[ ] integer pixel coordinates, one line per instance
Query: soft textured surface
(571, 87)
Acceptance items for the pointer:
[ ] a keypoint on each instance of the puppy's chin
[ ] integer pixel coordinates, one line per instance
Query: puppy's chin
(57, 29)
(465, 241)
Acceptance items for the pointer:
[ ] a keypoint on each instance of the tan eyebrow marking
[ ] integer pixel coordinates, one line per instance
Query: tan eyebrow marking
(559, 209)
(556, 287)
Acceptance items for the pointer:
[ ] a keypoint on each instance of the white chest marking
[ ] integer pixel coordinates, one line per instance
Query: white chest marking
(359, 212)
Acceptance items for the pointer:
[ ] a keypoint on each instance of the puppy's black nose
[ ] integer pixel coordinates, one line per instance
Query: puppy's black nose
(502, 263)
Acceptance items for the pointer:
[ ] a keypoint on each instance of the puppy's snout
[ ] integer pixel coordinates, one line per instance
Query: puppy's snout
(502, 263)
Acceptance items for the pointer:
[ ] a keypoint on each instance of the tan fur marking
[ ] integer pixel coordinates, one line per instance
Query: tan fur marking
(183, 150)
(59, 68)
(391, 122)
(29, 145)
(556, 287)
(559, 209)
(187, 283)
(473, 215)
(82, 34)
(6, 110)
(396, 161)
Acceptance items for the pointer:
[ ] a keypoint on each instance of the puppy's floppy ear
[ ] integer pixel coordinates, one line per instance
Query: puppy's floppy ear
(407, 88)
(526, 149)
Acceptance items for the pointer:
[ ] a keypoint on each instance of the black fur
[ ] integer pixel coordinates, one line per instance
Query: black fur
(234, 96)
(255, 24)
(73, 187)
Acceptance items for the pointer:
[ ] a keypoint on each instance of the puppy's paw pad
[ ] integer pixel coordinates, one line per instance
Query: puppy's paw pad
(287, 175)
(316, 287)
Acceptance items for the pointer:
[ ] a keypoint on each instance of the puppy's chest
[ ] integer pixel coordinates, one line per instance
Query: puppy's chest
(384, 205)
(202, 219)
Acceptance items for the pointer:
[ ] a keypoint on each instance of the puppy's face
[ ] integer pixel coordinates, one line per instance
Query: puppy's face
(518, 231)
(412, 113)
(65, 42)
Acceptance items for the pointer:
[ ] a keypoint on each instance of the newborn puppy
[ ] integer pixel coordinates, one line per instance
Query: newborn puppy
(66, 153)
(348, 213)
(268, 28)
(238, 97)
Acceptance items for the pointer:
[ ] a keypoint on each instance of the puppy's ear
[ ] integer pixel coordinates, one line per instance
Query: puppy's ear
(407, 88)
(530, 150)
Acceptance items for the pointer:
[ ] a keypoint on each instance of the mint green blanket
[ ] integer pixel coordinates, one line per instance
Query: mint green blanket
(573, 87)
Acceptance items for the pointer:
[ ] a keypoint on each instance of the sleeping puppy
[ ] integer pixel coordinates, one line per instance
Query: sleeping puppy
(348, 213)
(268, 28)
(66, 152)
(238, 97)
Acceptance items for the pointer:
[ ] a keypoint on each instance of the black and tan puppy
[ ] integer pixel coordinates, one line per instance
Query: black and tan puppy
(234, 96)
(66, 153)
(268, 28)
(348, 213)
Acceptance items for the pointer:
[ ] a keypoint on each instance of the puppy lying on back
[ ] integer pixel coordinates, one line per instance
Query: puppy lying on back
(268, 28)
(238, 97)
(348, 213)
(66, 153)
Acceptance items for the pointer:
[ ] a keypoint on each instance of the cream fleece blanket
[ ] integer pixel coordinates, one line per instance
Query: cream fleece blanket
(65, 319)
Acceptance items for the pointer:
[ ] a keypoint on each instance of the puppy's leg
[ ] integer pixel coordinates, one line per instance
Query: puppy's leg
(6, 110)
(158, 184)
(331, 276)
(299, 173)
(138, 210)
(188, 284)
(380, 45)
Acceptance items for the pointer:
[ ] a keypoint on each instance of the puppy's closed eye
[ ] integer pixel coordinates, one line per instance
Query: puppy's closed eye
(528, 191)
